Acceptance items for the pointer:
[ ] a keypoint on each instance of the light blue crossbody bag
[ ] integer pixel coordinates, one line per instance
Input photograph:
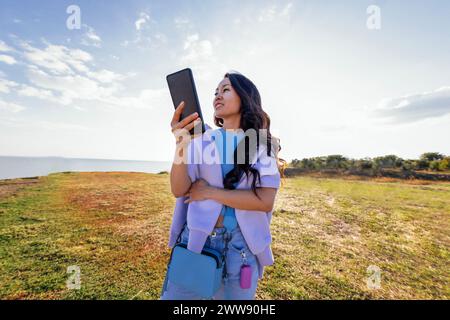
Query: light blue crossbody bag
(200, 273)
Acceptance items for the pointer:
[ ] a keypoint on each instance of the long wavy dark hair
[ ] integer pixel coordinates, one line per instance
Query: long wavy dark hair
(252, 117)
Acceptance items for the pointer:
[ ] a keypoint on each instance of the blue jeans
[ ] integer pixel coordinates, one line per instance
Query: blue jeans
(230, 288)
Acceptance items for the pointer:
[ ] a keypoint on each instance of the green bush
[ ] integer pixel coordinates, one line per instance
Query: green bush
(428, 161)
(444, 164)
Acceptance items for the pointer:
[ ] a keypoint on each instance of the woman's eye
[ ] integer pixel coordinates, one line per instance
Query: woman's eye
(222, 91)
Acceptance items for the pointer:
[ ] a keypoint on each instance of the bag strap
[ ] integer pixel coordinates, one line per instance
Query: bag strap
(164, 287)
(181, 232)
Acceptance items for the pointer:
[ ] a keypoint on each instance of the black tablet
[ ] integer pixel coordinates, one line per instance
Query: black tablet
(182, 88)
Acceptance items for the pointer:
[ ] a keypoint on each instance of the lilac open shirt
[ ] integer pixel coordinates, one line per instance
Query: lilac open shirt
(201, 216)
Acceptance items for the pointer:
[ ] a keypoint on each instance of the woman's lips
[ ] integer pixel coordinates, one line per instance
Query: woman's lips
(219, 105)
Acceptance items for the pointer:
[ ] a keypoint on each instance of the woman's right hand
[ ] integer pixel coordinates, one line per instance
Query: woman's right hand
(179, 127)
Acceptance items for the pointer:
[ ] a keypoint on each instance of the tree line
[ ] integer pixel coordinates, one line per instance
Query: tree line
(431, 161)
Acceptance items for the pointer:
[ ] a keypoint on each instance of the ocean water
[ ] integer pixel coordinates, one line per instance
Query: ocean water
(21, 167)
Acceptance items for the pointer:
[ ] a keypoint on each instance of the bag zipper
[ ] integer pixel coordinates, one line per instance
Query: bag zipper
(218, 262)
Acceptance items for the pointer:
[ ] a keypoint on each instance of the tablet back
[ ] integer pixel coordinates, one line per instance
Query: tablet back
(182, 88)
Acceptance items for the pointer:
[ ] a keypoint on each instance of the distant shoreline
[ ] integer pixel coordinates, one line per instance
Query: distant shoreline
(22, 167)
(81, 172)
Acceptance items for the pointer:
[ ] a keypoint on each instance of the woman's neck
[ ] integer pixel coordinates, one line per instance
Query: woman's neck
(232, 123)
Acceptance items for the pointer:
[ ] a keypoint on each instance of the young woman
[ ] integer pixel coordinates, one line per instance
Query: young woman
(230, 203)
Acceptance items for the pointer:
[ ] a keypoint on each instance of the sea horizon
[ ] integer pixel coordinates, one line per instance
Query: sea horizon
(12, 167)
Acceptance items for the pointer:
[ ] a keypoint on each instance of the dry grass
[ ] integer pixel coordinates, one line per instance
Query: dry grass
(326, 232)
(10, 187)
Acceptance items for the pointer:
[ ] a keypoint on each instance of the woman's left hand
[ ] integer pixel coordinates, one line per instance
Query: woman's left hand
(199, 191)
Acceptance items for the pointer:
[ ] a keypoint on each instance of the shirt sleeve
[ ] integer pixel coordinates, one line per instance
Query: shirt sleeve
(268, 172)
(192, 163)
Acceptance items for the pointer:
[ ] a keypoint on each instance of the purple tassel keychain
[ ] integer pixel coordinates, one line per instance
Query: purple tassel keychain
(246, 273)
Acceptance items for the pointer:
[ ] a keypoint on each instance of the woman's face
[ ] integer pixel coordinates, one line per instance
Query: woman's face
(226, 102)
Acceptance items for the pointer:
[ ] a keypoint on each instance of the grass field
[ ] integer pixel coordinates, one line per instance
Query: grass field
(326, 233)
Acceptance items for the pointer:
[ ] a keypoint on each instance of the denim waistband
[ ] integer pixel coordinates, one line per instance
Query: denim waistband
(219, 231)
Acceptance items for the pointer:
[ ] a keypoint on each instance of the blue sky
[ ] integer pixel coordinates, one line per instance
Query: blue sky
(330, 84)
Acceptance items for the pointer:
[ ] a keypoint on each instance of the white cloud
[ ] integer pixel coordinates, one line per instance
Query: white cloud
(69, 87)
(6, 85)
(268, 14)
(143, 19)
(274, 11)
(4, 47)
(90, 38)
(199, 54)
(286, 10)
(182, 23)
(10, 107)
(105, 76)
(7, 59)
(104, 89)
(65, 76)
(161, 37)
(29, 91)
(146, 37)
(198, 50)
(57, 59)
(61, 75)
(190, 40)
(415, 107)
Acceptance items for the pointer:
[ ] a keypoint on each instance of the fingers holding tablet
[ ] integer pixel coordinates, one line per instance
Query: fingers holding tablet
(186, 124)
(178, 112)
